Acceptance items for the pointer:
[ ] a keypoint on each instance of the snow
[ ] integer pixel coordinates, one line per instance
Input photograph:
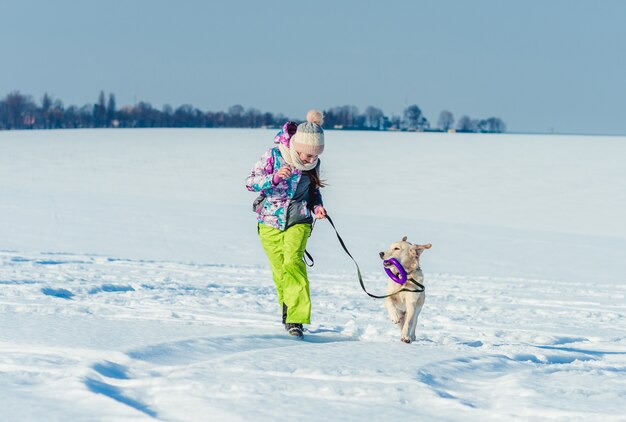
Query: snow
(133, 286)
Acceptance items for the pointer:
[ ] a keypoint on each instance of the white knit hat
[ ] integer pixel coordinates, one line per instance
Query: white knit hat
(309, 138)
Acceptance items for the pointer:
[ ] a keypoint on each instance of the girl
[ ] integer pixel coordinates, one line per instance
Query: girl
(287, 176)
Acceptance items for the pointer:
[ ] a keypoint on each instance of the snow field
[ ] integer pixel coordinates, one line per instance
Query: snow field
(133, 286)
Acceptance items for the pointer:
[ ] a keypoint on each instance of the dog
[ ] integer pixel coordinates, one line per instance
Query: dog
(405, 307)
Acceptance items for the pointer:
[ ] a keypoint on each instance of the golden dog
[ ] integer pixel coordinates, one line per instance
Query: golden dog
(405, 307)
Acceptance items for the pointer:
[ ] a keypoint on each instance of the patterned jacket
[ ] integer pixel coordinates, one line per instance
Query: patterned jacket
(274, 202)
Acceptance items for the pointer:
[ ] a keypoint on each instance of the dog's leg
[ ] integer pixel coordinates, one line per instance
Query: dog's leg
(391, 309)
(418, 309)
(408, 318)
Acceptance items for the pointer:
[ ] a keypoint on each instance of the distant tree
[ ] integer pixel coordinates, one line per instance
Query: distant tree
(111, 110)
(145, 115)
(252, 118)
(236, 110)
(99, 111)
(167, 116)
(19, 111)
(56, 115)
(490, 125)
(386, 123)
(395, 123)
(466, 124)
(210, 119)
(183, 116)
(46, 102)
(86, 116)
(126, 116)
(71, 117)
(220, 119)
(349, 115)
(167, 109)
(359, 121)
(267, 120)
(329, 119)
(280, 119)
(374, 118)
(346, 117)
(481, 126)
(495, 125)
(414, 119)
(46, 105)
(235, 115)
(199, 118)
(446, 120)
(3, 115)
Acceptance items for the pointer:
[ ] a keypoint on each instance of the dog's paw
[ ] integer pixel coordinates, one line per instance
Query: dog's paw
(405, 340)
(395, 318)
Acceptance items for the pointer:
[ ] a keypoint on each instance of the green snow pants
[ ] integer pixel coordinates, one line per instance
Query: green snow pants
(285, 249)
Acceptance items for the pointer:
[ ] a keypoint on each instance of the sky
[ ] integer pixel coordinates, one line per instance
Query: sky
(541, 66)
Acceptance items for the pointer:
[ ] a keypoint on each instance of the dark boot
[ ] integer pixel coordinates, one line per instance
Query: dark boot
(294, 329)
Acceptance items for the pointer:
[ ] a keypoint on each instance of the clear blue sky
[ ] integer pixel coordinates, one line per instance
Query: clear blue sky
(539, 65)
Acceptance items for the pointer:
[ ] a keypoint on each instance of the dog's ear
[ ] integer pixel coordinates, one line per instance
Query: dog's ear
(420, 248)
(404, 239)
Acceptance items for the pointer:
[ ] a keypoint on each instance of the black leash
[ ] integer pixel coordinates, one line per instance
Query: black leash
(420, 287)
(307, 254)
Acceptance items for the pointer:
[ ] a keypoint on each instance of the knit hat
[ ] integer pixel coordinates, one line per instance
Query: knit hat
(309, 138)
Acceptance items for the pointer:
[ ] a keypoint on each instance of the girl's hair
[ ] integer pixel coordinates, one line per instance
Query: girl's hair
(316, 182)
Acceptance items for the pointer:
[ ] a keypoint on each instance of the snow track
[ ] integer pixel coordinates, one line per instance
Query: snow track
(144, 340)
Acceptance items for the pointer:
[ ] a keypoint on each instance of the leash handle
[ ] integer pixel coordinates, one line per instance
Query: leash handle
(420, 287)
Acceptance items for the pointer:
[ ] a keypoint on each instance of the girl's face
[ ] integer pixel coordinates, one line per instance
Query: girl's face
(307, 158)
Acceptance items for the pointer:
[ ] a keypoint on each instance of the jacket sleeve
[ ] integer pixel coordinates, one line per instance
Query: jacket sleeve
(260, 177)
(315, 196)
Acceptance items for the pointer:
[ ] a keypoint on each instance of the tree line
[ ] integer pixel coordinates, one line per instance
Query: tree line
(18, 111)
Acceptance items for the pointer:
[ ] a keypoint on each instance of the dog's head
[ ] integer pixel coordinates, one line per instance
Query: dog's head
(407, 254)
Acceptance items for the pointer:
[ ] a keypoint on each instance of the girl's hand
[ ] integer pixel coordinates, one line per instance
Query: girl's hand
(320, 212)
(284, 172)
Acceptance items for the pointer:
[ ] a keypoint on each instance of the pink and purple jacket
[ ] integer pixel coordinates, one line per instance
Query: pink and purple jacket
(272, 211)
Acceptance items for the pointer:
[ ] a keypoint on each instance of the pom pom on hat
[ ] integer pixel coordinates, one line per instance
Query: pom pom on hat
(315, 116)
(309, 138)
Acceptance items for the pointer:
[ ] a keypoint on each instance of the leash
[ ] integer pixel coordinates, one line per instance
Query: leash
(306, 253)
(420, 286)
